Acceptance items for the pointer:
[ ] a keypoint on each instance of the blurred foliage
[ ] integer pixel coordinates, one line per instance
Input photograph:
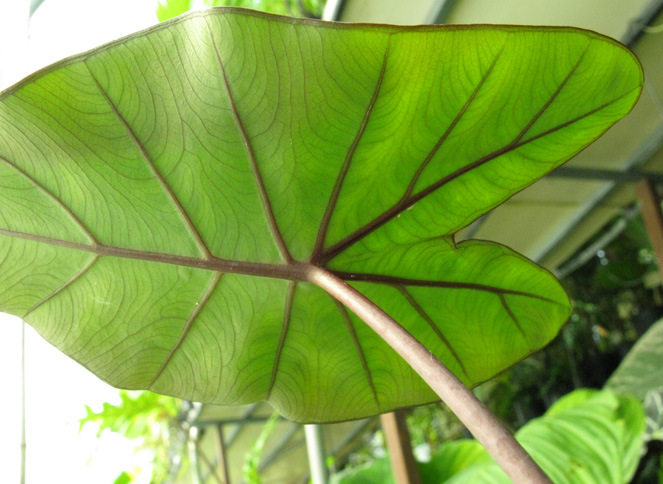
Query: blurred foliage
(588, 436)
(432, 425)
(612, 308)
(167, 9)
(251, 468)
(149, 418)
(123, 478)
(641, 371)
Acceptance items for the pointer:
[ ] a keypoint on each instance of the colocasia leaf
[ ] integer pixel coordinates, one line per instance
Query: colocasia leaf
(162, 198)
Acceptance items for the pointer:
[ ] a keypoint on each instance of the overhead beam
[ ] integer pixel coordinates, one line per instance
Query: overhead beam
(644, 153)
(617, 176)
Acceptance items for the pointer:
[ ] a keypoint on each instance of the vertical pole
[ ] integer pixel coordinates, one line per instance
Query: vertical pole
(23, 441)
(221, 455)
(193, 456)
(399, 446)
(316, 454)
(650, 203)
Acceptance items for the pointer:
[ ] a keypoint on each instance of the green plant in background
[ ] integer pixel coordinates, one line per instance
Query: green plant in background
(207, 209)
(641, 374)
(588, 436)
(611, 309)
(251, 468)
(167, 9)
(147, 416)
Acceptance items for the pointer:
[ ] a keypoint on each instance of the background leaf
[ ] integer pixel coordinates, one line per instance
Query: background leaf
(588, 436)
(34, 5)
(167, 9)
(164, 196)
(642, 368)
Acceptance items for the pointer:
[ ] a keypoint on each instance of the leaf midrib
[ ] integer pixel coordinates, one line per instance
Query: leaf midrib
(294, 271)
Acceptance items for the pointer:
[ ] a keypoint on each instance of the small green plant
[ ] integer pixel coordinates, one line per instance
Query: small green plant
(147, 416)
(214, 207)
(251, 469)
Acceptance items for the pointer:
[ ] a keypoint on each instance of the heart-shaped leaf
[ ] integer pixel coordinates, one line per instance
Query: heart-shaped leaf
(164, 197)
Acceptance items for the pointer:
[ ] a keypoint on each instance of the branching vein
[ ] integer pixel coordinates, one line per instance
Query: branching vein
(403, 204)
(295, 271)
(189, 324)
(333, 198)
(451, 127)
(148, 159)
(403, 281)
(513, 317)
(64, 286)
(267, 204)
(417, 307)
(360, 351)
(289, 297)
(59, 202)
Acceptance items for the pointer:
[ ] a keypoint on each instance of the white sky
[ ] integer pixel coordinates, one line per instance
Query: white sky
(57, 387)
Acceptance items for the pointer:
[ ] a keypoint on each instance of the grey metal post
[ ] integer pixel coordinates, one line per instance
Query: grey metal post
(316, 454)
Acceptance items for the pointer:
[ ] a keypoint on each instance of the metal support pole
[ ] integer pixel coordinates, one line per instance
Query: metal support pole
(222, 460)
(196, 478)
(399, 446)
(316, 454)
(650, 203)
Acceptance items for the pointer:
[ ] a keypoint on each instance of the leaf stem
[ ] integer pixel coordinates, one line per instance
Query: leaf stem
(488, 430)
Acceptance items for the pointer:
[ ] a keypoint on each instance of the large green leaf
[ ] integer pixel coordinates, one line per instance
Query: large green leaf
(164, 196)
(587, 437)
(641, 370)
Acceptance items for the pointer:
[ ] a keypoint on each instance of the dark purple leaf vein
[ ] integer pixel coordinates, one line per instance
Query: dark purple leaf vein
(404, 203)
(59, 202)
(267, 204)
(333, 198)
(403, 281)
(513, 317)
(289, 298)
(200, 305)
(451, 127)
(295, 272)
(148, 159)
(417, 307)
(64, 286)
(360, 351)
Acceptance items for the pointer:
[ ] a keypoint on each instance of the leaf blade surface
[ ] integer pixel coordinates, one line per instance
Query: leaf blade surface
(164, 195)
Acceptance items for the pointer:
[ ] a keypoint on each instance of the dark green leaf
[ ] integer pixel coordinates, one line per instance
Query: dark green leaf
(164, 197)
